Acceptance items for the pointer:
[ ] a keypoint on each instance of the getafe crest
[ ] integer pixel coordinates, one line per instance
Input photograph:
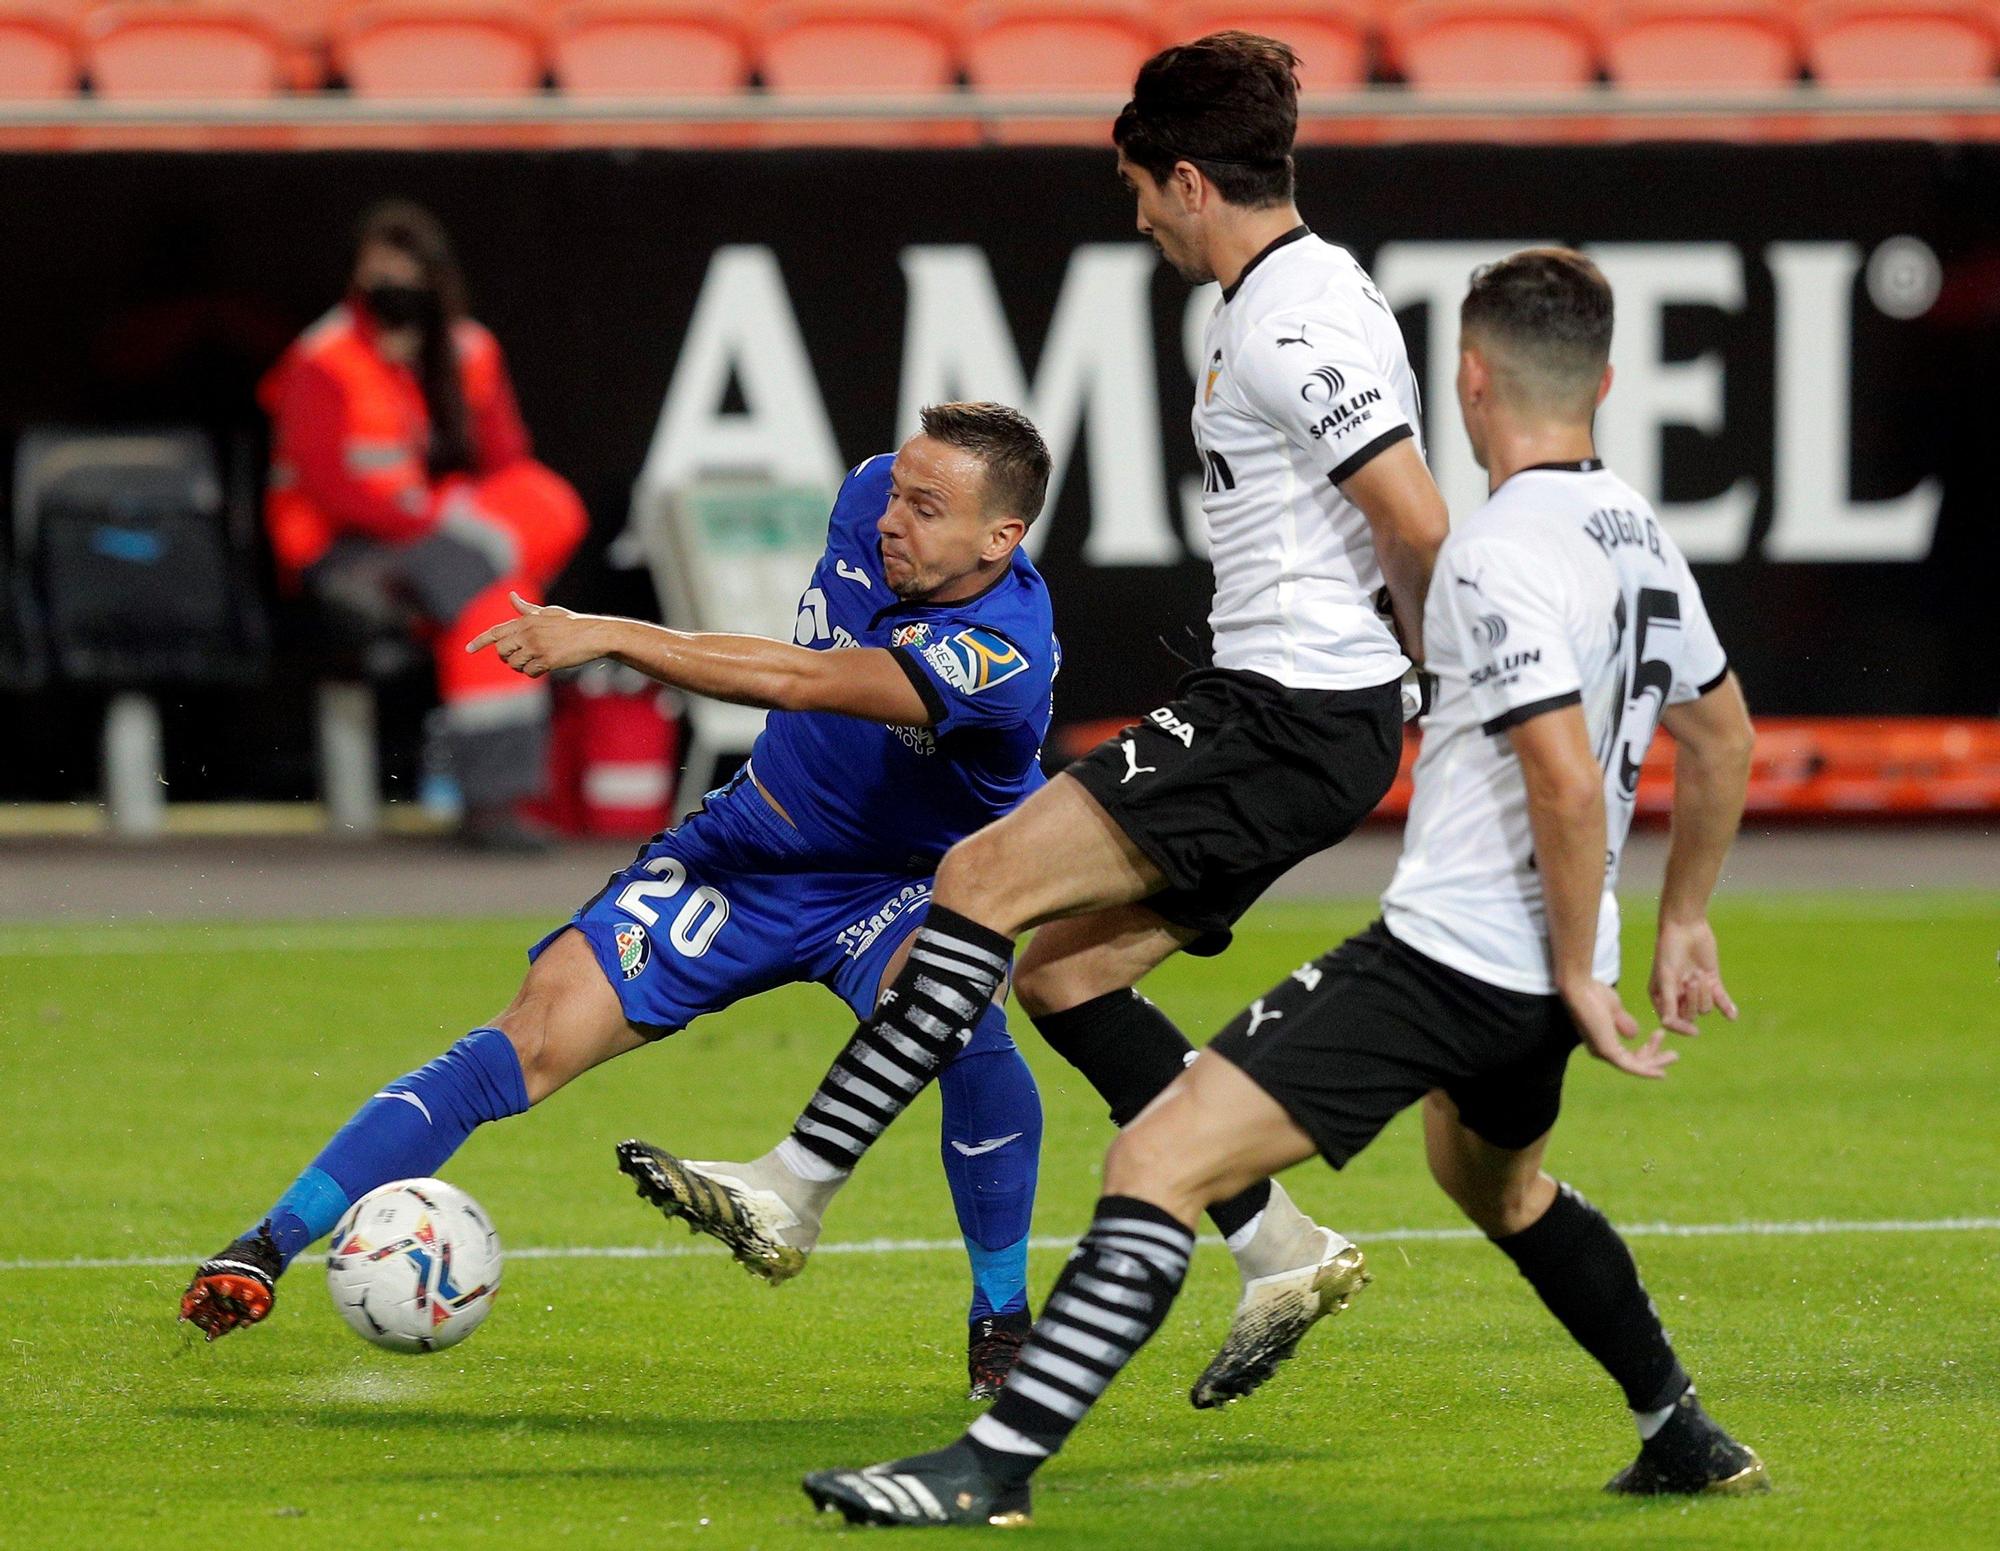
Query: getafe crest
(635, 950)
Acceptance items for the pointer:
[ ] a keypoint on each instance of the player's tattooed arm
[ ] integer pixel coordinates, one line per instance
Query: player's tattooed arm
(1713, 739)
(1566, 815)
(865, 682)
(1406, 516)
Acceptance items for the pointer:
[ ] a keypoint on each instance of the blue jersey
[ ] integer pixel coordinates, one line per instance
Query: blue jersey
(875, 798)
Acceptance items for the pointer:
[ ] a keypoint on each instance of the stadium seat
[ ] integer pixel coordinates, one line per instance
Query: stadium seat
(1476, 45)
(437, 48)
(861, 47)
(1066, 46)
(1913, 43)
(154, 51)
(38, 56)
(1331, 37)
(648, 48)
(1675, 44)
(301, 25)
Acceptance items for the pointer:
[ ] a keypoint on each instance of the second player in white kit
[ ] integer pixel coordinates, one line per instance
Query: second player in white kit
(1563, 589)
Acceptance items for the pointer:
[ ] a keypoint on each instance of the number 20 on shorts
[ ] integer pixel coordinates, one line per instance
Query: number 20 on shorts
(699, 919)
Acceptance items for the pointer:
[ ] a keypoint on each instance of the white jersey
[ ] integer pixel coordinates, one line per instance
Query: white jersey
(1306, 379)
(1562, 589)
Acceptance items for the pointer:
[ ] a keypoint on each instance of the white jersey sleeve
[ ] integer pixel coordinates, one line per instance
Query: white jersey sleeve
(1507, 626)
(1702, 663)
(1313, 376)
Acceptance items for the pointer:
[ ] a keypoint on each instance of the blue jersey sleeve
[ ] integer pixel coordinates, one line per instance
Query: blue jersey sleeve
(972, 676)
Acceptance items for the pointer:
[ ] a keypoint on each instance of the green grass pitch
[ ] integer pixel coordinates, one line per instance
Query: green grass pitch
(162, 1084)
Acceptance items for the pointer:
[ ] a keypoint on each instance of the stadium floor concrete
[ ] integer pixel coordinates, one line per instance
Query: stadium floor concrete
(87, 880)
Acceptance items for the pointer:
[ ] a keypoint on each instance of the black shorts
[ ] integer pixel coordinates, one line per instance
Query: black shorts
(1238, 779)
(1349, 1041)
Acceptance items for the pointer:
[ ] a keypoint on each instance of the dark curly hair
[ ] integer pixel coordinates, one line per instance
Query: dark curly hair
(1228, 103)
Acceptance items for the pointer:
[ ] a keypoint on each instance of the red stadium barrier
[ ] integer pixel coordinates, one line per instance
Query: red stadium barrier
(1804, 767)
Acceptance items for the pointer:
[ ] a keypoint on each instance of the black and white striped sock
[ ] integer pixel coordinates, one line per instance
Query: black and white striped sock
(1110, 1298)
(923, 1019)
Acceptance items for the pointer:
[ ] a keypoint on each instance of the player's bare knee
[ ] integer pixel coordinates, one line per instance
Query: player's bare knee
(526, 1026)
(973, 878)
(1156, 1159)
(959, 873)
(566, 1018)
(1142, 1164)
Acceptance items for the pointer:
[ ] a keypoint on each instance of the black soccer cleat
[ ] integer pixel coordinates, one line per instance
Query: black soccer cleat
(234, 1288)
(992, 1347)
(947, 1487)
(1689, 1456)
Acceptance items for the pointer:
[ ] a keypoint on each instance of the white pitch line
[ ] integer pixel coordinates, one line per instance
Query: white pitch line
(1809, 1228)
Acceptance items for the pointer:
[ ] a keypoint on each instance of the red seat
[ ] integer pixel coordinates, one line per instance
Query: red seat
(38, 57)
(1331, 37)
(1672, 44)
(835, 48)
(302, 27)
(1913, 43)
(648, 48)
(1461, 45)
(1058, 46)
(437, 48)
(155, 51)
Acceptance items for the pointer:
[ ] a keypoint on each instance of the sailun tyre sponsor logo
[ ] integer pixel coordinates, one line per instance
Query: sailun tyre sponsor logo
(1489, 630)
(1507, 671)
(635, 949)
(1323, 385)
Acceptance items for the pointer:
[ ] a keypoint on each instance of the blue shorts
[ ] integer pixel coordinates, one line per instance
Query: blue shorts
(726, 905)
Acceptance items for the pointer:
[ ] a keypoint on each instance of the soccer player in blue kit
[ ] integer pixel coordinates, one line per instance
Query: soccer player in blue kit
(909, 713)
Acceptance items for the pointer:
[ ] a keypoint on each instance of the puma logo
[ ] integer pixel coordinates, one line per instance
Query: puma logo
(1301, 340)
(1132, 765)
(853, 574)
(1259, 1017)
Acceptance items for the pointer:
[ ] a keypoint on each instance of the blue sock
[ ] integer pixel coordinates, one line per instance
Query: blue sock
(991, 1144)
(404, 1132)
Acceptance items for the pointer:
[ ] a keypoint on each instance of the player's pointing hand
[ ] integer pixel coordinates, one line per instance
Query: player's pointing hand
(544, 638)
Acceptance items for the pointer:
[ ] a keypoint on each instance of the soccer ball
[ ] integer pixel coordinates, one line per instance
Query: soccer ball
(414, 1266)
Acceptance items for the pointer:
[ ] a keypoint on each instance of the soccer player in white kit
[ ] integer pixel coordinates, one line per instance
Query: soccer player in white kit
(1564, 627)
(1317, 500)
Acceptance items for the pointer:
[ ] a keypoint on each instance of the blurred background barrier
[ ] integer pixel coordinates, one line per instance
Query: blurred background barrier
(1806, 380)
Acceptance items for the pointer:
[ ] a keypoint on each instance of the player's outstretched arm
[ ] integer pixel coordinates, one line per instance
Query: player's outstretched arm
(1407, 518)
(749, 670)
(1566, 814)
(1714, 739)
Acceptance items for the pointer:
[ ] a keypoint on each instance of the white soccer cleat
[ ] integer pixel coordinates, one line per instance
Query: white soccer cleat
(1295, 1273)
(768, 1216)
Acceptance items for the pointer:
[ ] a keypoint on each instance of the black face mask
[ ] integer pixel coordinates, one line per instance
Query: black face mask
(400, 306)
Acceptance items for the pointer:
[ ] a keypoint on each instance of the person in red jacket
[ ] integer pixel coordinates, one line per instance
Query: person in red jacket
(401, 473)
